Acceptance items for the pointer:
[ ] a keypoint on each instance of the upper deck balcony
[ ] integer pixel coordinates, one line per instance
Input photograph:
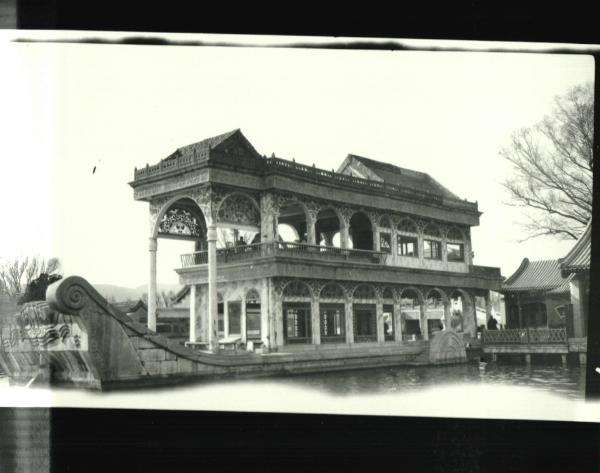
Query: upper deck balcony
(328, 262)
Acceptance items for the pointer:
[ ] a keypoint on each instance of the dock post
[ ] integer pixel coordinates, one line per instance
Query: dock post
(494, 356)
(528, 359)
(212, 288)
(583, 358)
(563, 359)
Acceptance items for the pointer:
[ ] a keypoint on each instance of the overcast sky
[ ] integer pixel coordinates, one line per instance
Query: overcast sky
(71, 107)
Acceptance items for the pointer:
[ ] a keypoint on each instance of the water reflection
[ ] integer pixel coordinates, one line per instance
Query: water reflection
(554, 379)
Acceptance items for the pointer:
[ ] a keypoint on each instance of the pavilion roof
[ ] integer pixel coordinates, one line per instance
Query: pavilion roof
(578, 259)
(404, 177)
(544, 275)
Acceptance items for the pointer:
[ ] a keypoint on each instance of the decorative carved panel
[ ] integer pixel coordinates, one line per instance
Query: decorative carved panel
(297, 288)
(332, 291)
(365, 291)
(238, 208)
(454, 234)
(179, 221)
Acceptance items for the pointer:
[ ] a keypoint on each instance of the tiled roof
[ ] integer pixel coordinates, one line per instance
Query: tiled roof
(204, 145)
(578, 259)
(542, 275)
(404, 177)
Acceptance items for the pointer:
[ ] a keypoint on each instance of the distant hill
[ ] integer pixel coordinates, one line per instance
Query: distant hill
(121, 294)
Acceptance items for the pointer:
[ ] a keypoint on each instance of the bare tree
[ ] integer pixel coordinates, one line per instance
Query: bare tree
(16, 274)
(553, 164)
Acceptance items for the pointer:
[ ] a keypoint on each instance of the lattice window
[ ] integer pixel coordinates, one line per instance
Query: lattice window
(364, 291)
(296, 289)
(179, 221)
(332, 291)
(238, 208)
(407, 226)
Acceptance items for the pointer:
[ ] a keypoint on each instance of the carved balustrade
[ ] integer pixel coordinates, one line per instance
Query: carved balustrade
(525, 336)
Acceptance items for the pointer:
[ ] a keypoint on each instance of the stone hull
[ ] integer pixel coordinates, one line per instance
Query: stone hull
(104, 349)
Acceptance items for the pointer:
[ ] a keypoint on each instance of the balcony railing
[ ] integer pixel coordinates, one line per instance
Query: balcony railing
(525, 336)
(245, 252)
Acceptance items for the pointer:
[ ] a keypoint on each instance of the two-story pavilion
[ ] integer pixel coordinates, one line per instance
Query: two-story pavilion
(370, 253)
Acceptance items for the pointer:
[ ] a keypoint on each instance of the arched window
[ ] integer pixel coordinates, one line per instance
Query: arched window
(361, 231)
(455, 247)
(432, 245)
(385, 235)
(407, 238)
(388, 293)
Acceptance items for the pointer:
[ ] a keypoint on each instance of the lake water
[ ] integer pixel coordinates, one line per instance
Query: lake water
(514, 391)
(550, 378)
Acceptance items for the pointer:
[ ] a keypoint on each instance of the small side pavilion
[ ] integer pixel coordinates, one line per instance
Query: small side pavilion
(537, 296)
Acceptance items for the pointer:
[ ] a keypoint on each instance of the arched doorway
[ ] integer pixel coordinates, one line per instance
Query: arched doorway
(296, 306)
(292, 221)
(182, 223)
(361, 232)
(327, 228)
(253, 310)
(365, 313)
(238, 221)
(410, 314)
(332, 313)
(435, 311)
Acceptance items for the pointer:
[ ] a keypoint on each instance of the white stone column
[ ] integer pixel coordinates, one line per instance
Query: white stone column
(265, 304)
(349, 321)
(397, 321)
(344, 235)
(193, 313)
(424, 324)
(213, 341)
(311, 237)
(316, 322)
(376, 239)
(379, 319)
(243, 320)
(225, 319)
(447, 315)
(152, 285)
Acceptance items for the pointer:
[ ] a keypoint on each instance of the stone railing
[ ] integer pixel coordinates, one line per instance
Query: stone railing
(525, 336)
(167, 165)
(184, 162)
(290, 167)
(294, 249)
